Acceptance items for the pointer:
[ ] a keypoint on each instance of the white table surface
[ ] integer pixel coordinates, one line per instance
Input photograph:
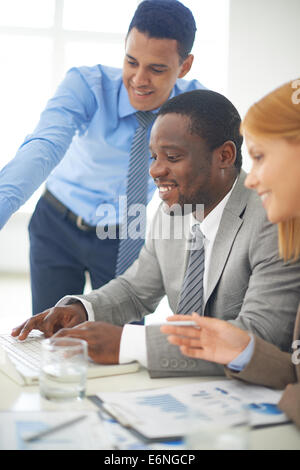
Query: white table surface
(16, 398)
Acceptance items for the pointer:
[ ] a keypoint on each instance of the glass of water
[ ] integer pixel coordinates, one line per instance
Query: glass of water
(63, 369)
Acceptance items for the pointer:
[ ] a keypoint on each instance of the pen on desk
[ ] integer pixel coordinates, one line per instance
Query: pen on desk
(46, 432)
(179, 323)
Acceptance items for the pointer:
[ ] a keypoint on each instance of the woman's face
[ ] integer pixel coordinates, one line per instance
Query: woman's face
(275, 175)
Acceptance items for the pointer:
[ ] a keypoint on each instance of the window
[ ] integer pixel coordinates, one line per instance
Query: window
(41, 40)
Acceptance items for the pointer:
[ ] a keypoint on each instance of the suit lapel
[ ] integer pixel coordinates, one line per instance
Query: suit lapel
(230, 224)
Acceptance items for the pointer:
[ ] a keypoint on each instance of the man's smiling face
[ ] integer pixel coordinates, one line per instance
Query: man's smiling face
(183, 169)
(151, 68)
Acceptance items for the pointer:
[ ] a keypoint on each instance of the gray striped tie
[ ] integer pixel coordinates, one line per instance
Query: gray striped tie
(191, 297)
(137, 192)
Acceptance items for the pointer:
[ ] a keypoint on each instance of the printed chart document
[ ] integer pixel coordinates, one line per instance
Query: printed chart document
(163, 413)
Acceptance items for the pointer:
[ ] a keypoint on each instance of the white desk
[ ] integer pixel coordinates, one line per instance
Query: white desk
(16, 398)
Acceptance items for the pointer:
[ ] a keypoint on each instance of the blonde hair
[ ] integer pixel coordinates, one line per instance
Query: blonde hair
(289, 239)
(278, 115)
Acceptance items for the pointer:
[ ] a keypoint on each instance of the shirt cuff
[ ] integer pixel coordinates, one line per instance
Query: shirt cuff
(67, 300)
(240, 362)
(133, 345)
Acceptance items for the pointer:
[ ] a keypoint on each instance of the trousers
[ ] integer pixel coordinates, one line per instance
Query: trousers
(61, 254)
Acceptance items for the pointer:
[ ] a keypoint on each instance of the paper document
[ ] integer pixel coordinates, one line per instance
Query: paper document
(162, 413)
(87, 434)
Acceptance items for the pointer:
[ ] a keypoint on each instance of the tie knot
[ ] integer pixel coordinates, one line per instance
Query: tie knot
(197, 231)
(198, 237)
(145, 118)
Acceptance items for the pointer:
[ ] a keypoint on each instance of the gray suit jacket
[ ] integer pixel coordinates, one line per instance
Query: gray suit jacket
(247, 283)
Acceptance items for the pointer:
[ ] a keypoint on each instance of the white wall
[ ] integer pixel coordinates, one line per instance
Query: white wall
(264, 49)
(264, 52)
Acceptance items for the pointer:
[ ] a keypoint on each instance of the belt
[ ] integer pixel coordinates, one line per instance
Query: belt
(74, 218)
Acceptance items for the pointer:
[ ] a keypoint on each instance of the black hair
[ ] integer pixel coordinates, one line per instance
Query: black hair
(166, 19)
(212, 116)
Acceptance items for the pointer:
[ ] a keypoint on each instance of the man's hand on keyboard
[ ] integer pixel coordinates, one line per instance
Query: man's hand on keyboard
(103, 340)
(52, 320)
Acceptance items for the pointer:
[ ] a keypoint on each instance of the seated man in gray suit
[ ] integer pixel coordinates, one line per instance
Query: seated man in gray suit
(228, 269)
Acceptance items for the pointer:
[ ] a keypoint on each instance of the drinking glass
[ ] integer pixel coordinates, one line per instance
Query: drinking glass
(63, 369)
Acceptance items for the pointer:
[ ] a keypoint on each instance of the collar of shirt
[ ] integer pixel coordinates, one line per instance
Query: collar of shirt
(124, 106)
(210, 225)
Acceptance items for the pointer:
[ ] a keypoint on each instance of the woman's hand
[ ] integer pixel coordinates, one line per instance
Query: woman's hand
(211, 339)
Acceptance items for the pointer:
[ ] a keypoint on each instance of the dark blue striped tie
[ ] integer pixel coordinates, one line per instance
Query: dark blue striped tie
(137, 192)
(191, 296)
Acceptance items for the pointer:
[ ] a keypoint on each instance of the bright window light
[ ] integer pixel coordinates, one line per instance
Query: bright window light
(25, 87)
(27, 13)
(90, 53)
(111, 16)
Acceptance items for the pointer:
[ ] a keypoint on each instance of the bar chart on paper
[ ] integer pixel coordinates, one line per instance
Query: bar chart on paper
(165, 402)
(165, 412)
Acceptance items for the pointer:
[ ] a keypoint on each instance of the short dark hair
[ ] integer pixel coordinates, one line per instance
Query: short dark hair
(166, 19)
(212, 116)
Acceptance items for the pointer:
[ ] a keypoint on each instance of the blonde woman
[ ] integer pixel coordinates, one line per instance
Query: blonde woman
(271, 129)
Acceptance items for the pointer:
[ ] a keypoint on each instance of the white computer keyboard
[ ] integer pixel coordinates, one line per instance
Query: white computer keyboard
(26, 355)
(27, 352)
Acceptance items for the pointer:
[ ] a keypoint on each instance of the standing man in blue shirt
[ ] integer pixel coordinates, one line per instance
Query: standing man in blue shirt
(83, 141)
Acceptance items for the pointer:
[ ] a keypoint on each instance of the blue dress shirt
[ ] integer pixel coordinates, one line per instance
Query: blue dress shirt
(240, 362)
(82, 144)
